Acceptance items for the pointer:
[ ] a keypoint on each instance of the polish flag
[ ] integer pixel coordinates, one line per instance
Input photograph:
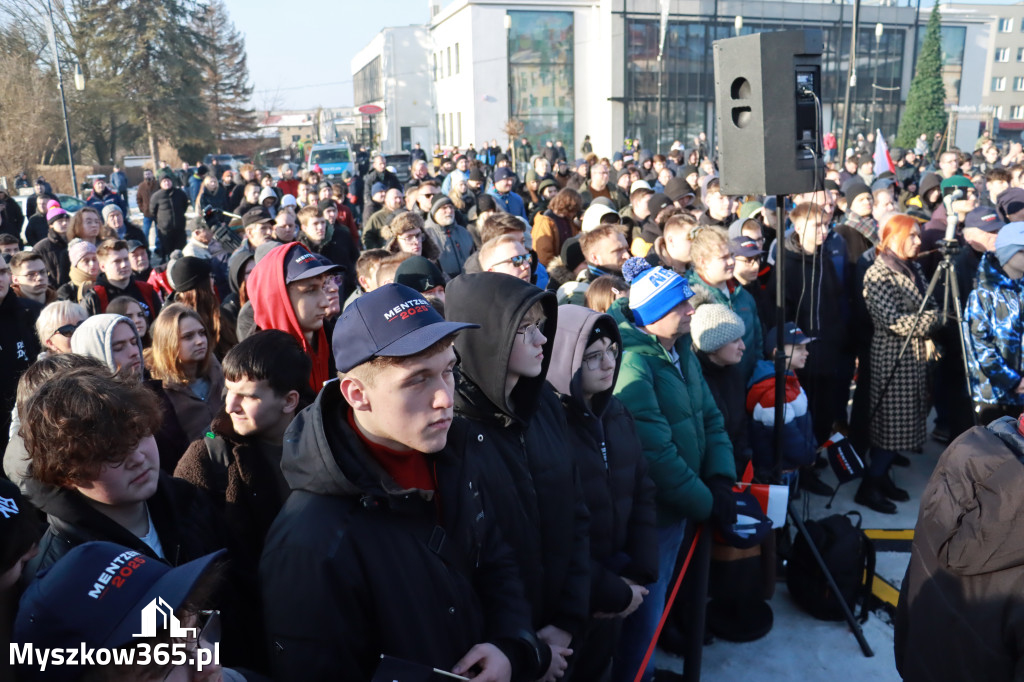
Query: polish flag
(881, 158)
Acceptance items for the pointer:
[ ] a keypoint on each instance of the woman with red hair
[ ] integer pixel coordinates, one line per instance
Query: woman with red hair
(894, 287)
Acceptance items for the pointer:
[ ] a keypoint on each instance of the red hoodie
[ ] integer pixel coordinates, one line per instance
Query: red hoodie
(273, 310)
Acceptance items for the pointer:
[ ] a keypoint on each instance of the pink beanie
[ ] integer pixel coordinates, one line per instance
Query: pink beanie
(79, 249)
(54, 213)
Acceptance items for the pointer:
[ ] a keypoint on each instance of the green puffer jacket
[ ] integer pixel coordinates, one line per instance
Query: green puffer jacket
(680, 427)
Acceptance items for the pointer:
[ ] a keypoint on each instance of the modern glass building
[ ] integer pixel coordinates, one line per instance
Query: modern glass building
(569, 68)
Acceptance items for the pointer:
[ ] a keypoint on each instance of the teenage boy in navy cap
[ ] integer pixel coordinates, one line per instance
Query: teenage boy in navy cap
(383, 545)
(286, 292)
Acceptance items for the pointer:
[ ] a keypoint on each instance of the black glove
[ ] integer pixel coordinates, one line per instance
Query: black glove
(723, 502)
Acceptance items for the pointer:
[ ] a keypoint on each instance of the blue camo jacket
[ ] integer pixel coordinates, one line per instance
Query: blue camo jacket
(995, 313)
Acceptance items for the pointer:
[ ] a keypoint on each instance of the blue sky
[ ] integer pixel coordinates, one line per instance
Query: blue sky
(299, 53)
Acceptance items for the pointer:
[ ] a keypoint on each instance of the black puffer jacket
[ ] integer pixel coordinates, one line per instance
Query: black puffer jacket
(960, 615)
(54, 251)
(528, 470)
(613, 470)
(353, 566)
(186, 523)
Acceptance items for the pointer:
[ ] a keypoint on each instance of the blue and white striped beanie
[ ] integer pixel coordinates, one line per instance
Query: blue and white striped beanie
(653, 292)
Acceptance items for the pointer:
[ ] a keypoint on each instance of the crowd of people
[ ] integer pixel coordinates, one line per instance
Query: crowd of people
(468, 420)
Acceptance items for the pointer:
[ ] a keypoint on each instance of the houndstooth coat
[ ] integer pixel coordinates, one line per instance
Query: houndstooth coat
(893, 300)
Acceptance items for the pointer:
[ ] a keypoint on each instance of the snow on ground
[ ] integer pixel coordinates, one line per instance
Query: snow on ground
(802, 647)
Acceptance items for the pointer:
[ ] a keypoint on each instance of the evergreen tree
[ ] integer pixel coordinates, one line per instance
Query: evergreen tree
(226, 87)
(925, 109)
(155, 57)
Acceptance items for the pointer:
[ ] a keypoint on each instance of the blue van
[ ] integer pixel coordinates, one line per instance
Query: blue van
(334, 159)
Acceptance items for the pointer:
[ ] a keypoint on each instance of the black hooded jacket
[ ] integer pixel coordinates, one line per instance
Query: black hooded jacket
(355, 566)
(528, 470)
(54, 252)
(613, 469)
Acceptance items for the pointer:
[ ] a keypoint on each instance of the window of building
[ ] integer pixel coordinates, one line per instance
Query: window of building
(458, 116)
(1018, 84)
(999, 84)
(1017, 112)
(456, 57)
(1020, 54)
(449, 61)
(997, 112)
(368, 85)
(1002, 54)
(440, 129)
(451, 129)
(435, 65)
(1005, 25)
(541, 64)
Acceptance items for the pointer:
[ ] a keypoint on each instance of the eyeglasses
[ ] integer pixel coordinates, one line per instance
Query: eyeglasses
(35, 274)
(593, 360)
(410, 237)
(66, 330)
(532, 330)
(517, 261)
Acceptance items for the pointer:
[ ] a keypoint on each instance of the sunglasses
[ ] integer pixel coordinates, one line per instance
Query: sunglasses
(517, 261)
(66, 330)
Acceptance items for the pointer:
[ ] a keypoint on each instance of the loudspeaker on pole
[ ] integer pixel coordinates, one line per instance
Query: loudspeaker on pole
(767, 99)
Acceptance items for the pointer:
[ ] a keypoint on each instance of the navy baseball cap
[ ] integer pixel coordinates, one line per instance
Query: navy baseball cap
(746, 247)
(502, 173)
(984, 218)
(391, 321)
(300, 263)
(135, 245)
(97, 596)
(791, 334)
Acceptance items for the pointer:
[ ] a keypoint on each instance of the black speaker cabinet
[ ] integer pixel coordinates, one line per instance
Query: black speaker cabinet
(769, 124)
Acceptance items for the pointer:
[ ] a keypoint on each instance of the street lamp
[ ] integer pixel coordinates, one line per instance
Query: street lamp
(79, 77)
(738, 23)
(879, 30)
(63, 102)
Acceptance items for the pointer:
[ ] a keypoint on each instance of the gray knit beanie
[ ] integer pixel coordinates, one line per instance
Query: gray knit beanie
(713, 325)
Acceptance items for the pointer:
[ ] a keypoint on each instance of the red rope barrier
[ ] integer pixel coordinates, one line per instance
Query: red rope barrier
(668, 605)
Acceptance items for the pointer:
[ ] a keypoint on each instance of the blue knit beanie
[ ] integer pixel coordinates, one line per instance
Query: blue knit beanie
(653, 292)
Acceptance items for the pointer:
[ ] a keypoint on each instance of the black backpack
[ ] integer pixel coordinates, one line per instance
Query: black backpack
(850, 558)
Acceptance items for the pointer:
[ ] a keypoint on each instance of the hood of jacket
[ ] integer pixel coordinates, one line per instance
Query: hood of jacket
(321, 453)
(992, 277)
(93, 338)
(971, 514)
(575, 325)
(236, 268)
(498, 303)
(272, 309)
